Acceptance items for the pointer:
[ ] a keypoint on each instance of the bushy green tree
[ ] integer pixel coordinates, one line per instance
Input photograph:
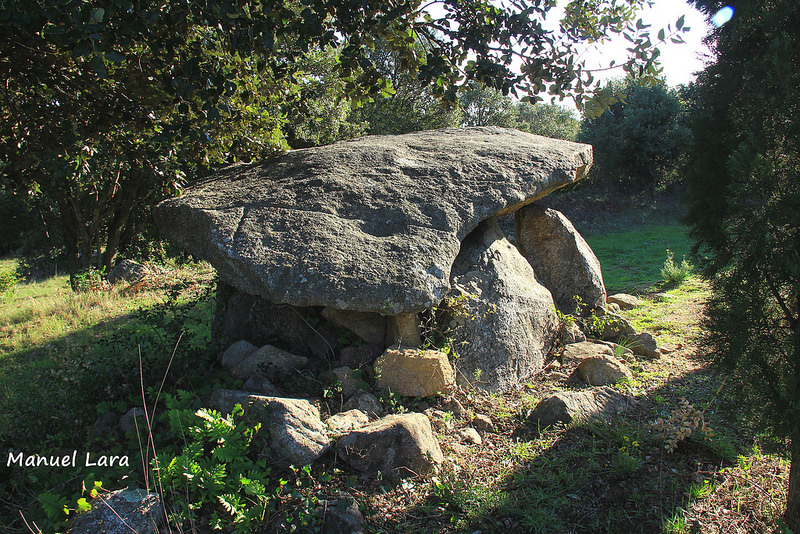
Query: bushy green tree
(744, 199)
(413, 105)
(486, 106)
(639, 141)
(549, 120)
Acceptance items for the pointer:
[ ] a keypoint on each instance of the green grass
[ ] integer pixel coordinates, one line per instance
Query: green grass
(634, 259)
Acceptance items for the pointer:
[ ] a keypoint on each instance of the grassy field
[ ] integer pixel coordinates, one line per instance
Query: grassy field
(67, 359)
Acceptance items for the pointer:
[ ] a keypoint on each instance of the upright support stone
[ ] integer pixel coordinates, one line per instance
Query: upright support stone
(403, 330)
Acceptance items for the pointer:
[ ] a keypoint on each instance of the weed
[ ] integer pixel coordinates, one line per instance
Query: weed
(674, 274)
(8, 282)
(682, 423)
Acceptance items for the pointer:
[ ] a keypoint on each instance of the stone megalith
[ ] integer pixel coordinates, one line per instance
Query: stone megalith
(563, 261)
(370, 225)
(504, 321)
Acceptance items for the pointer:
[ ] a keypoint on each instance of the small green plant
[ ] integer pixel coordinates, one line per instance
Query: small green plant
(674, 274)
(701, 490)
(8, 282)
(88, 280)
(220, 473)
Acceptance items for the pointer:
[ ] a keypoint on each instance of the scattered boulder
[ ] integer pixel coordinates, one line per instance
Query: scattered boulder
(354, 356)
(602, 370)
(269, 361)
(261, 385)
(616, 327)
(504, 321)
(365, 402)
(105, 428)
(562, 260)
(372, 224)
(625, 301)
(236, 353)
(344, 422)
(340, 516)
(577, 352)
(297, 435)
(571, 333)
(454, 405)
(569, 406)
(397, 446)
(345, 379)
(470, 435)
(483, 422)
(121, 512)
(441, 421)
(128, 271)
(370, 327)
(133, 419)
(414, 372)
(644, 344)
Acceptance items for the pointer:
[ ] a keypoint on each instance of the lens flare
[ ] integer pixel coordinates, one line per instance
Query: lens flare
(722, 16)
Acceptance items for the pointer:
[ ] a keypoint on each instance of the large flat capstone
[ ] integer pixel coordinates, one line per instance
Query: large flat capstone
(372, 224)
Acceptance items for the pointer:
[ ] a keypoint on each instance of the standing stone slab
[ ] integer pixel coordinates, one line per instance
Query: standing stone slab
(368, 225)
(504, 320)
(297, 435)
(397, 446)
(562, 260)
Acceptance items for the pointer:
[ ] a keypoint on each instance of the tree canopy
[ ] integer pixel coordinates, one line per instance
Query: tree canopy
(744, 200)
(107, 106)
(639, 141)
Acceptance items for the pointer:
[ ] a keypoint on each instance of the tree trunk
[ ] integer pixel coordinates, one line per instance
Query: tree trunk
(792, 515)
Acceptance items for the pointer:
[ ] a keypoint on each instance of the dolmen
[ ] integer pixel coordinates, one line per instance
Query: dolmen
(375, 234)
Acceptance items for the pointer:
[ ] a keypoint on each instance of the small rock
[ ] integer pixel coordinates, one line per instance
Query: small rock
(127, 271)
(571, 333)
(343, 376)
(555, 365)
(454, 405)
(577, 352)
(297, 435)
(414, 372)
(105, 428)
(397, 446)
(261, 385)
(344, 422)
(340, 516)
(483, 422)
(644, 344)
(616, 327)
(356, 356)
(470, 435)
(365, 402)
(133, 419)
(442, 421)
(625, 301)
(236, 353)
(602, 370)
(569, 406)
(122, 511)
(370, 327)
(269, 361)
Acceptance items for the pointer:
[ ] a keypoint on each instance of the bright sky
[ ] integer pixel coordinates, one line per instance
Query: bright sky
(680, 61)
